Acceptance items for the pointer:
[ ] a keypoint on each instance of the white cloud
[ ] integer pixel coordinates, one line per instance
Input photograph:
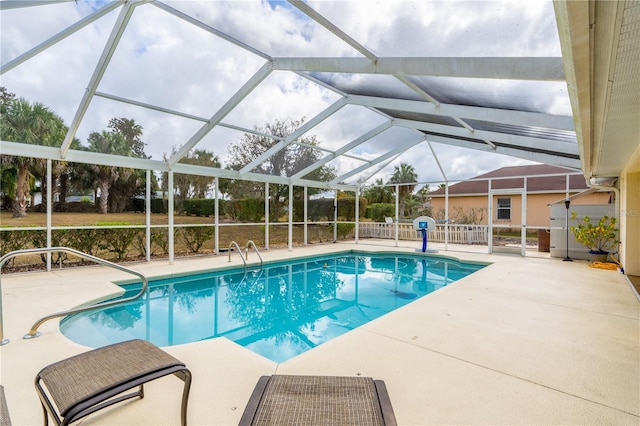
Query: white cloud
(162, 60)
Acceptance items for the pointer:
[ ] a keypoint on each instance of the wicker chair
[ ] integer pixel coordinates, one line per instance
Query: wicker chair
(283, 400)
(5, 420)
(78, 386)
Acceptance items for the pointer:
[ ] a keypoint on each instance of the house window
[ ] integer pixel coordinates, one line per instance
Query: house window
(504, 209)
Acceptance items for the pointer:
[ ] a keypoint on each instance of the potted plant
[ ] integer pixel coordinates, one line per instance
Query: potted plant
(599, 237)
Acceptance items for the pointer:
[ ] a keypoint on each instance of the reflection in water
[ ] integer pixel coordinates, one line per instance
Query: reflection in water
(278, 312)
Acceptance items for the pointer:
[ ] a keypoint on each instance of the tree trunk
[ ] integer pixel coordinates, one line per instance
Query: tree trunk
(22, 189)
(401, 203)
(103, 185)
(64, 189)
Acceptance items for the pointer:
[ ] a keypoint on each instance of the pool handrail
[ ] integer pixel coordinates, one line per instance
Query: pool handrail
(33, 332)
(231, 245)
(246, 248)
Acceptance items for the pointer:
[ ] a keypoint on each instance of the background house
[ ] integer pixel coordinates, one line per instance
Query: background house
(545, 184)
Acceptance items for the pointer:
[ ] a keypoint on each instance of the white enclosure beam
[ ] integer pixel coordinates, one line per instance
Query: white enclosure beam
(399, 149)
(330, 110)
(192, 169)
(60, 36)
(365, 179)
(17, 4)
(75, 156)
(505, 138)
(98, 72)
(435, 157)
(532, 155)
(518, 118)
(313, 14)
(410, 84)
(509, 68)
(436, 103)
(244, 91)
(88, 157)
(348, 147)
(149, 106)
(209, 29)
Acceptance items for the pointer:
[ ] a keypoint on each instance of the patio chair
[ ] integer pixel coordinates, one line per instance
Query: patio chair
(78, 386)
(318, 400)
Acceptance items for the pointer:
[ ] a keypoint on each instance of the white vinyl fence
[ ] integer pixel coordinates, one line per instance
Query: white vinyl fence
(458, 234)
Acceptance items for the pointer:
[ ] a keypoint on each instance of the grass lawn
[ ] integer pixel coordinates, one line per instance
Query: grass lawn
(81, 219)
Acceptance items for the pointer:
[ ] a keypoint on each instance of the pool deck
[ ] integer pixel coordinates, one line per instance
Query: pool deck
(523, 341)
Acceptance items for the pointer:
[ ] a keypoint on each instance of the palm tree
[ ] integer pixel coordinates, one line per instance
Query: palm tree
(106, 176)
(378, 193)
(32, 124)
(404, 173)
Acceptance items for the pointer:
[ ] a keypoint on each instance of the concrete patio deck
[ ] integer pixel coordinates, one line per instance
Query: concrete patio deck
(523, 341)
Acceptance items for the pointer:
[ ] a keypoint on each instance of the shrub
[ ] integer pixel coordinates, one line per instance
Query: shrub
(245, 209)
(59, 238)
(85, 240)
(14, 240)
(194, 237)
(347, 207)
(117, 240)
(198, 207)
(378, 211)
(600, 237)
(345, 229)
(158, 205)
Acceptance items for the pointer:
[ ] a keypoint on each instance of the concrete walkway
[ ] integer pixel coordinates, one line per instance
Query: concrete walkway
(523, 341)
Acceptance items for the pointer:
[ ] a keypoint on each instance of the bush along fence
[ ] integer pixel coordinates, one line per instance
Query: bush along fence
(120, 241)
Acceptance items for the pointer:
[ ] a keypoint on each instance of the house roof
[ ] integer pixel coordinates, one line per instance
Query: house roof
(513, 177)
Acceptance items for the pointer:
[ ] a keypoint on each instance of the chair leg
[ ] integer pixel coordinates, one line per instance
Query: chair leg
(46, 414)
(185, 376)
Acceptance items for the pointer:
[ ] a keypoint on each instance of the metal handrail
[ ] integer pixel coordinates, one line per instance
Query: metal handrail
(246, 248)
(233, 243)
(33, 332)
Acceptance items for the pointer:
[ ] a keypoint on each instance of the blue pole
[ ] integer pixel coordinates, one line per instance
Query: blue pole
(424, 240)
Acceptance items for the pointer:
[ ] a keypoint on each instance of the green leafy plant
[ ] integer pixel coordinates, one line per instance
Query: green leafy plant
(599, 237)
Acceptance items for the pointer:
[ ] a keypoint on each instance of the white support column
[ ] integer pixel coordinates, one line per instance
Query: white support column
(171, 208)
(446, 216)
(216, 217)
(357, 218)
(49, 209)
(523, 235)
(335, 216)
(397, 214)
(147, 208)
(306, 235)
(489, 217)
(290, 217)
(266, 216)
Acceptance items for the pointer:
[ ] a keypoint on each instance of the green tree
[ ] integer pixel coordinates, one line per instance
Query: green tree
(189, 186)
(31, 123)
(106, 176)
(286, 162)
(129, 184)
(404, 173)
(378, 193)
(132, 134)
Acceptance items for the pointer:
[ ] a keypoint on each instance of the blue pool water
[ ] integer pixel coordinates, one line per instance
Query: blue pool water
(278, 312)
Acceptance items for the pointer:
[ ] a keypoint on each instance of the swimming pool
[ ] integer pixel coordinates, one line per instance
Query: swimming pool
(278, 311)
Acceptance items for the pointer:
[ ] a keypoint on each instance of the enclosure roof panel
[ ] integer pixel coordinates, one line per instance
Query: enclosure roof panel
(465, 76)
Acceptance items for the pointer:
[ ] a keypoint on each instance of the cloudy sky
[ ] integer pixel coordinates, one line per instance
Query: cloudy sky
(164, 61)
